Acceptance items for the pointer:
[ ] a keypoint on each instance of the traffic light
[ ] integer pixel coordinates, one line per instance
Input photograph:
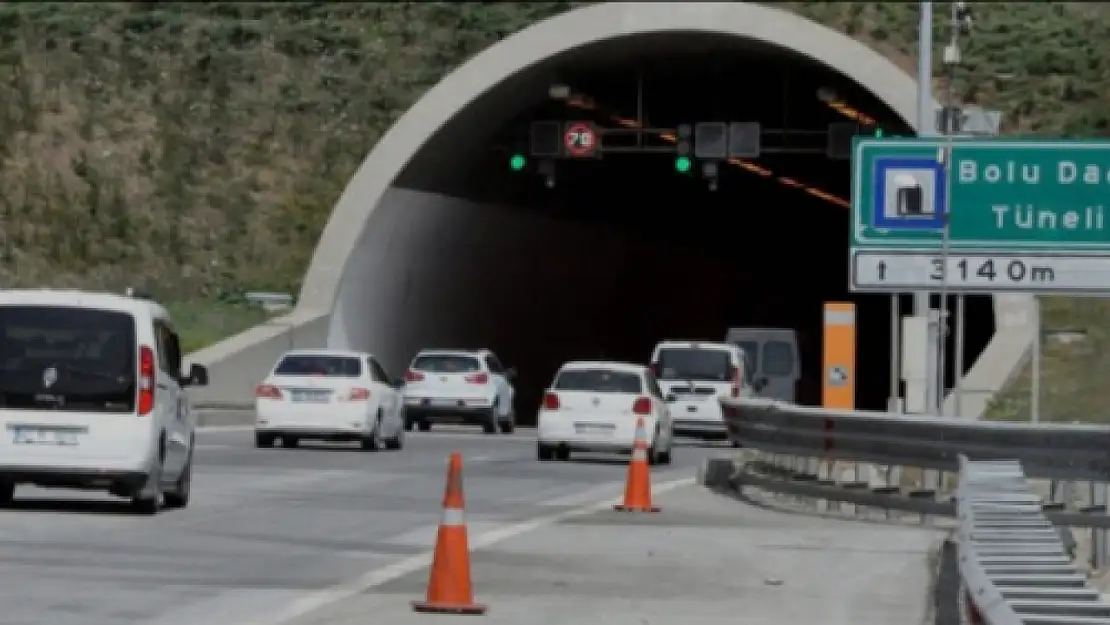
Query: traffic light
(878, 133)
(517, 162)
(682, 162)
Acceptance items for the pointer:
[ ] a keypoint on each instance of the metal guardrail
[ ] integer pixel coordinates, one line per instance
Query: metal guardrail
(1009, 486)
(1053, 451)
(1014, 567)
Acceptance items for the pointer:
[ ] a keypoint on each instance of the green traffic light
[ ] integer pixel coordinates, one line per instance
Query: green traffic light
(682, 164)
(878, 133)
(517, 162)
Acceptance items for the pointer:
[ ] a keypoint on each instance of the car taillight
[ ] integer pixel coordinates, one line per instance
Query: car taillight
(358, 394)
(267, 391)
(413, 376)
(146, 380)
(737, 381)
(477, 378)
(550, 401)
(642, 406)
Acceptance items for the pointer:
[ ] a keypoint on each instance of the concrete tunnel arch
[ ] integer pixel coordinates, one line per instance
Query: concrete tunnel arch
(331, 309)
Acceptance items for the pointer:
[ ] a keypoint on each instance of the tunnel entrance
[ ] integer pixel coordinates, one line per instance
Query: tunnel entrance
(623, 251)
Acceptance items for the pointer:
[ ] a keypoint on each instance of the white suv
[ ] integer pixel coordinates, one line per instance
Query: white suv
(91, 397)
(459, 386)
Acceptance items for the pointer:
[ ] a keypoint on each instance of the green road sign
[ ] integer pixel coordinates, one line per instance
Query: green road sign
(1027, 205)
(1005, 194)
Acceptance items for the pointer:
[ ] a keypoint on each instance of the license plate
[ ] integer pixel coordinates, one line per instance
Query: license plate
(594, 428)
(37, 436)
(310, 396)
(444, 402)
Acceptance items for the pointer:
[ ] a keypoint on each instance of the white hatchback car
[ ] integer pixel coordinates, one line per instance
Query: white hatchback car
(594, 406)
(92, 397)
(459, 386)
(330, 395)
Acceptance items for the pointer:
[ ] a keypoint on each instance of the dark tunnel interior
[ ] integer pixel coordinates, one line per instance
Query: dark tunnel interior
(774, 252)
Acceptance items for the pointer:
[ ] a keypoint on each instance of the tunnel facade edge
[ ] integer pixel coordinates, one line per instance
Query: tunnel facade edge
(345, 243)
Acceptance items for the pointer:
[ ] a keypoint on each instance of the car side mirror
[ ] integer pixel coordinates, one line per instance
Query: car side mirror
(670, 398)
(198, 376)
(761, 383)
(510, 373)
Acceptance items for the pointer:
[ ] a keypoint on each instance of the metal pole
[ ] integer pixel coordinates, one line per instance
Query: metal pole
(893, 404)
(1035, 375)
(926, 128)
(961, 320)
(942, 315)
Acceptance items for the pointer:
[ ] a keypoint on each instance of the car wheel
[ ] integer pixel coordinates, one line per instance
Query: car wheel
(665, 457)
(7, 493)
(397, 442)
(544, 453)
(563, 453)
(289, 441)
(508, 425)
(424, 426)
(148, 501)
(263, 441)
(373, 442)
(179, 497)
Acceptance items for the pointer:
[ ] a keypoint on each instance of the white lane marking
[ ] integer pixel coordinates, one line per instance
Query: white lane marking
(377, 577)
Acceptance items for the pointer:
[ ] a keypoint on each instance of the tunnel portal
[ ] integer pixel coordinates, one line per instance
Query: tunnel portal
(623, 251)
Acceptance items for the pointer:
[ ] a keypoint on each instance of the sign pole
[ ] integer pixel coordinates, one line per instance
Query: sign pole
(894, 403)
(925, 128)
(958, 357)
(1035, 374)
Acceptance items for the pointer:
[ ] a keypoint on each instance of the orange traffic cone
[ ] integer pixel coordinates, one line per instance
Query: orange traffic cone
(637, 490)
(449, 590)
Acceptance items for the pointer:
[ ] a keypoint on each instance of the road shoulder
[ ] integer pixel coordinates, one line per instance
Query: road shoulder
(702, 560)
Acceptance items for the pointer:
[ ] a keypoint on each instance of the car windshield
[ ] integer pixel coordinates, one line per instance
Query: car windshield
(446, 363)
(694, 363)
(67, 358)
(319, 365)
(598, 381)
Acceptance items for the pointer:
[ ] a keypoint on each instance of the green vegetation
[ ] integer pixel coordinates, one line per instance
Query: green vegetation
(202, 145)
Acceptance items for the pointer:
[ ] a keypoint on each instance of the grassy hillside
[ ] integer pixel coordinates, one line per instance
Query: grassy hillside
(222, 133)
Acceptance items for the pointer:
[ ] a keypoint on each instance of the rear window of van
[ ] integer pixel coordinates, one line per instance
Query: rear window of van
(693, 363)
(67, 358)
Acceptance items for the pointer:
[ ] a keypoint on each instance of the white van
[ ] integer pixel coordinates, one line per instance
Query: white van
(693, 375)
(91, 397)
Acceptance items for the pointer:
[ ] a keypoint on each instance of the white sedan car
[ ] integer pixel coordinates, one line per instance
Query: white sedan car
(594, 406)
(329, 395)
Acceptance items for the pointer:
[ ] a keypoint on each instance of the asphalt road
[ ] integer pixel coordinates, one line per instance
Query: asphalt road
(269, 528)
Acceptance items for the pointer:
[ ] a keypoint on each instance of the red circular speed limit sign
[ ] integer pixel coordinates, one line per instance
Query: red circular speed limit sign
(580, 139)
